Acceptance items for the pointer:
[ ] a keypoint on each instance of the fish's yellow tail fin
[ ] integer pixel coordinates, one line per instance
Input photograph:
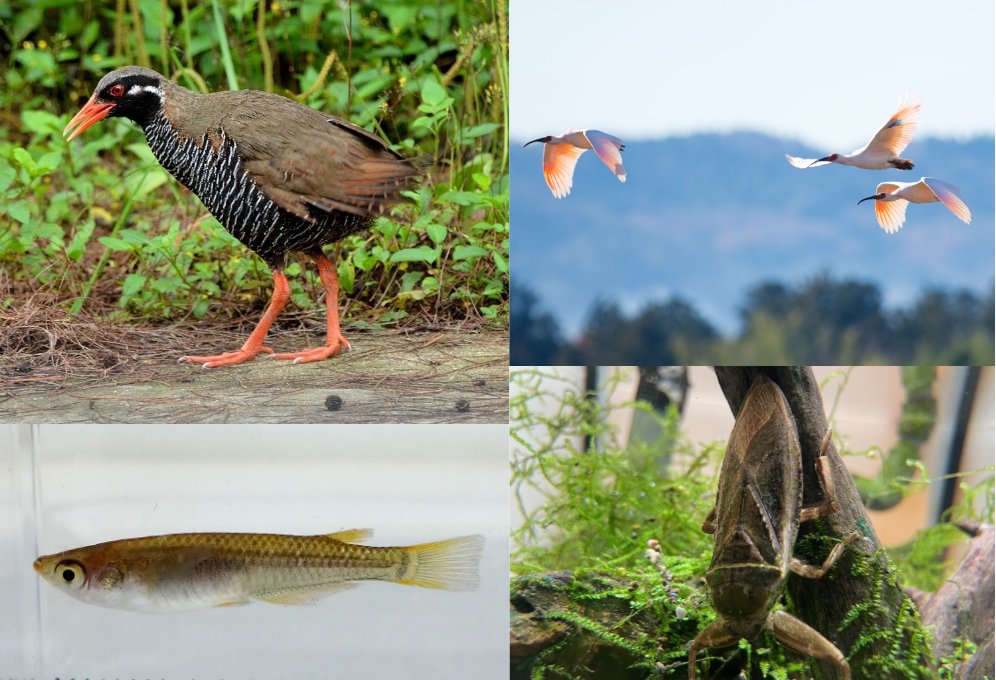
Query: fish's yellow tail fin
(449, 565)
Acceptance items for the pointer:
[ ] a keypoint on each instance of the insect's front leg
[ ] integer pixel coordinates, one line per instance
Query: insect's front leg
(716, 634)
(825, 475)
(709, 523)
(795, 634)
(809, 571)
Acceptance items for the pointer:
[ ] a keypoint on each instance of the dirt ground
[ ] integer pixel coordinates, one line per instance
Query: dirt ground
(56, 370)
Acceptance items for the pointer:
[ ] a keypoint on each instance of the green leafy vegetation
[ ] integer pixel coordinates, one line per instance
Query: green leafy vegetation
(100, 225)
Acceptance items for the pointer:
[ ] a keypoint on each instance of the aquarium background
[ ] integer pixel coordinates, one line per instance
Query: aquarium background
(69, 486)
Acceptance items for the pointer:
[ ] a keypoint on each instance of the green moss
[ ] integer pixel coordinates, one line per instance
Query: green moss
(906, 644)
(961, 651)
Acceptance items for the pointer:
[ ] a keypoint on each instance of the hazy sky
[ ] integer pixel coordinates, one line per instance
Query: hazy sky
(829, 74)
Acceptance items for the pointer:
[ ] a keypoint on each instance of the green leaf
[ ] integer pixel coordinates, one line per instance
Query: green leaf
(42, 123)
(462, 197)
(347, 276)
(436, 232)
(479, 130)
(200, 307)
(77, 246)
(399, 17)
(500, 262)
(134, 237)
(24, 159)
(133, 283)
(409, 279)
(142, 183)
(481, 180)
(433, 93)
(168, 285)
(420, 254)
(468, 252)
(381, 253)
(20, 212)
(386, 226)
(113, 243)
(50, 161)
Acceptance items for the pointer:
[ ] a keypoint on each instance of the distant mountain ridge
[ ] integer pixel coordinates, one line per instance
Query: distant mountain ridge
(708, 216)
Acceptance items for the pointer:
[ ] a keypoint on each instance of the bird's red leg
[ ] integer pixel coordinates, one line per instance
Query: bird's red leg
(334, 342)
(254, 345)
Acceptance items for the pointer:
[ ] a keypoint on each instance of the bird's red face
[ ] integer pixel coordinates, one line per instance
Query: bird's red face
(129, 92)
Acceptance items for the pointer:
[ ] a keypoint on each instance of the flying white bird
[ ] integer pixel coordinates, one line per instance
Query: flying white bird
(560, 154)
(892, 198)
(882, 152)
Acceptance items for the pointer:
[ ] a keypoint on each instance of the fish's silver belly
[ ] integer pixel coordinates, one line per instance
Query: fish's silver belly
(217, 582)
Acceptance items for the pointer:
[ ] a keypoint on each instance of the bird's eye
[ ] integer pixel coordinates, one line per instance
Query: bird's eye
(71, 573)
(116, 90)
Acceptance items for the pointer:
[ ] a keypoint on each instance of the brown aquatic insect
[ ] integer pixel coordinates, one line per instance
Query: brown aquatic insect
(755, 521)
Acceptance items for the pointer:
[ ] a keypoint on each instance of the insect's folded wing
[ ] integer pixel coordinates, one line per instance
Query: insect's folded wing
(558, 167)
(609, 149)
(948, 195)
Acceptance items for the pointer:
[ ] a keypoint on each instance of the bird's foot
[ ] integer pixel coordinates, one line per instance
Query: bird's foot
(239, 356)
(330, 349)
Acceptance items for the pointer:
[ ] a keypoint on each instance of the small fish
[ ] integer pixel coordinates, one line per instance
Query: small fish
(194, 571)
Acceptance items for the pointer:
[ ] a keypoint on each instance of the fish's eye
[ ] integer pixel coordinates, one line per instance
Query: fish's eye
(71, 573)
(116, 90)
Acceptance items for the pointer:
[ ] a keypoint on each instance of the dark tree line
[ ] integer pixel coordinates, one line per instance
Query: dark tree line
(822, 321)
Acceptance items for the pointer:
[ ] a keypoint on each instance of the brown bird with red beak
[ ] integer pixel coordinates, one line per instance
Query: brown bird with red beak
(279, 176)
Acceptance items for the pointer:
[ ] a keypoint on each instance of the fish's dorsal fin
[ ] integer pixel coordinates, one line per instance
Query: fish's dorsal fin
(305, 595)
(351, 535)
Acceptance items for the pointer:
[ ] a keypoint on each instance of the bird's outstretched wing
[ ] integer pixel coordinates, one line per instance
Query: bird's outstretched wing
(609, 149)
(947, 194)
(558, 167)
(890, 214)
(804, 162)
(897, 133)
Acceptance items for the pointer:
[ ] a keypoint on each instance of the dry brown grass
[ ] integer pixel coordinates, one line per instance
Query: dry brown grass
(42, 343)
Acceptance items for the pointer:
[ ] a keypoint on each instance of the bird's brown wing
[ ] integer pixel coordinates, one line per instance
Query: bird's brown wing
(304, 160)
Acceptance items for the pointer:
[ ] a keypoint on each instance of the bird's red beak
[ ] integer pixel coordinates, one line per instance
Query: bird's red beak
(91, 113)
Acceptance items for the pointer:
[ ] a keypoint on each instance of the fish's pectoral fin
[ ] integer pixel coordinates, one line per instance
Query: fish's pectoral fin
(233, 603)
(351, 535)
(304, 595)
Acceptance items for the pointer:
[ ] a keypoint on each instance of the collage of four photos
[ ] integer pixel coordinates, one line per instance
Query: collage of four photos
(297, 297)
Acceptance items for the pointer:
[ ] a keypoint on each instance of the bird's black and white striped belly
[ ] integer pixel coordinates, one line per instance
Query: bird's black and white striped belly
(219, 179)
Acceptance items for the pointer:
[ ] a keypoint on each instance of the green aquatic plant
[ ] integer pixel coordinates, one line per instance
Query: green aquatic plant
(606, 502)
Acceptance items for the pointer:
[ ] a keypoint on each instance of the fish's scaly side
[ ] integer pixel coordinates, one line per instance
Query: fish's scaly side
(191, 571)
